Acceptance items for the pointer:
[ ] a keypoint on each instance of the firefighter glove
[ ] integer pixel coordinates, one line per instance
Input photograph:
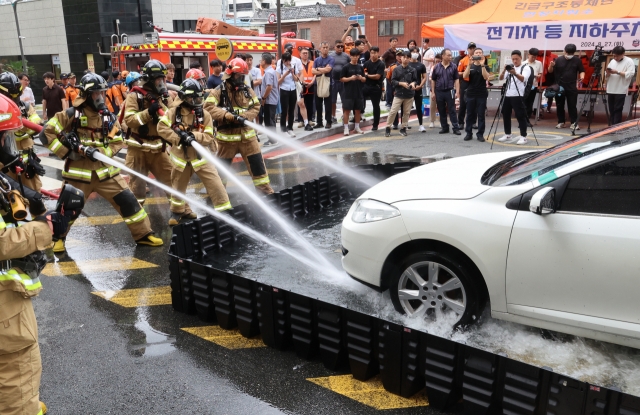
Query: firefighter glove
(230, 116)
(71, 141)
(16, 164)
(154, 108)
(58, 223)
(186, 138)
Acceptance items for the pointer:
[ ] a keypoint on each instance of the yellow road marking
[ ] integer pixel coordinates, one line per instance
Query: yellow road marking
(344, 149)
(276, 171)
(95, 266)
(230, 339)
(138, 297)
(160, 200)
(370, 393)
(98, 220)
(368, 139)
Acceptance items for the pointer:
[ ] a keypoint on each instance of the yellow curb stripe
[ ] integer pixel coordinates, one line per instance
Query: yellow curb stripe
(95, 266)
(370, 393)
(138, 297)
(230, 339)
(98, 220)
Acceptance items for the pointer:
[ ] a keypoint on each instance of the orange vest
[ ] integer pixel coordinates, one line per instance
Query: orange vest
(306, 72)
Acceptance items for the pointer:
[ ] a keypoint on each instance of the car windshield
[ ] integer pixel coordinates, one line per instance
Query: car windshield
(542, 164)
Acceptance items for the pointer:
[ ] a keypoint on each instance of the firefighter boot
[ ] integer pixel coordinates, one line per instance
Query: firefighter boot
(175, 218)
(58, 246)
(43, 408)
(150, 240)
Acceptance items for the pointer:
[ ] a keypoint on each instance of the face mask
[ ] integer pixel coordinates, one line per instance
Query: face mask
(98, 103)
(161, 88)
(415, 56)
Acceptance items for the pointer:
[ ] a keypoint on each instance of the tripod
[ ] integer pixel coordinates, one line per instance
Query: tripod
(597, 70)
(499, 111)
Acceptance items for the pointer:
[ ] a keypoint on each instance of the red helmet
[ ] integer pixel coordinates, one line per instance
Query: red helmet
(10, 115)
(194, 73)
(237, 65)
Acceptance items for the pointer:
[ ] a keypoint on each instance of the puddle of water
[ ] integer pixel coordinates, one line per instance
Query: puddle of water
(156, 343)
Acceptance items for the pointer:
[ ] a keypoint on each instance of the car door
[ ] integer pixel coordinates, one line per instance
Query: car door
(583, 259)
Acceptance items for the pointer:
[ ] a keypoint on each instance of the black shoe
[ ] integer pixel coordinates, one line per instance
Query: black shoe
(328, 126)
(374, 128)
(319, 126)
(468, 137)
(308, 127)
(387, 132)
(403, 132)
(481, 139)
(395, 127)
(474, 126)
(461, 124)
(456, 131)
(444, 131)
(409, 127)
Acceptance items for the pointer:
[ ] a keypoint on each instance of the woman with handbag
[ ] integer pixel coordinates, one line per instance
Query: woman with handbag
(322, 67)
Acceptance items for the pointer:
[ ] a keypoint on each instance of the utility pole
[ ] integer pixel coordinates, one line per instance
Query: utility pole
(279, 29)
(14, 4)
(235, 13)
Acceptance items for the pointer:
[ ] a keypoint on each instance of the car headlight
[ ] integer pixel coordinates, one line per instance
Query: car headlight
(368, 210)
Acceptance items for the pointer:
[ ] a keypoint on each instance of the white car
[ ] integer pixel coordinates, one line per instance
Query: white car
(550, 239)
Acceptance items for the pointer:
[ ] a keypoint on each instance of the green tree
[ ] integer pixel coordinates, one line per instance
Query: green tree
(290, 3)
(16, 67)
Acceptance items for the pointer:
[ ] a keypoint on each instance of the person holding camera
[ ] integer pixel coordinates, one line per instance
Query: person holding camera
(619, 74)
(347, 39)
(517, 75)
(568, 70)
(476, 94)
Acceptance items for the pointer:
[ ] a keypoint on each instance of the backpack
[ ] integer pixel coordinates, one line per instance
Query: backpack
(529, 82)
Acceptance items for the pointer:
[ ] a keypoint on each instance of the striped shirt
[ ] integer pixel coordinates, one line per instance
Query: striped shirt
(445, 78)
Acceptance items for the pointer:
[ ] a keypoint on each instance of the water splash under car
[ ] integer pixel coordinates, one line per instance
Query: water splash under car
(547, 238)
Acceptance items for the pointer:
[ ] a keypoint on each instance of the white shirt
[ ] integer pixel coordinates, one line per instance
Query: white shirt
(27, 96)
(288, 84)
(537, 70)
(618, 84)
(429, 54)
(515, 82)
(256, 75)
(295, 62)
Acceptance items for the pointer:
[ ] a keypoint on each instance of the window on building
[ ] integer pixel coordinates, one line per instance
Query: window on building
(266, 5)
(390, 27)
(304, 34)
(184, 25)
(241, 7)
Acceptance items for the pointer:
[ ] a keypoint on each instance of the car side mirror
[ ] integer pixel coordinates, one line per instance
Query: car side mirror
(543, 201)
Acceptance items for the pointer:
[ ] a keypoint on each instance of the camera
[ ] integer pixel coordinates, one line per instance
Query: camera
(599, 56)
(476, 58)
(355, 24)
(508, 67)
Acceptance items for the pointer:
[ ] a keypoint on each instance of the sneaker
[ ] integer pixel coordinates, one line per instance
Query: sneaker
(189, 215)
(374, 128)
(403, 132)
(291, 133)
(574, 125)
(175, 219)
(318, 126)
(358, 130)
(270, 143)
(456, 131)
(150, 240)
(505, 138)
(387, 132)
(334, 120)
(522, 140)
(346, 130)
(468, 137)
(431, 125)
(59, 246)
(308, 127)
(474, 126)
(461, 125)
(300, 124)
(480, 138)
(561, 125)
(408, 127)
(444, 131)
(328, 126)
(422, 129)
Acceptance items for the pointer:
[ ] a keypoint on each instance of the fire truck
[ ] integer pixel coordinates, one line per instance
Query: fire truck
(181, 49)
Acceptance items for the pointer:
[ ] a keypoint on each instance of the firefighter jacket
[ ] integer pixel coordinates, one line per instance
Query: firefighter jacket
(244, 102)
(180, 116)
(142, 131)
(23, 136)
(89, 130)
(18, 242)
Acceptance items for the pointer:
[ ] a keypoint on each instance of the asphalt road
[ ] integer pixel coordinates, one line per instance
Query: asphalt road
(112, 344)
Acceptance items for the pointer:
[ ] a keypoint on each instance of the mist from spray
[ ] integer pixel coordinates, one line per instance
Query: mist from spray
(262, 204)
(320, 158)
(225, 218)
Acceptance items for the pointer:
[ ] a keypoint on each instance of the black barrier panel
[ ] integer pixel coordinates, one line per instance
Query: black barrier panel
(566, 395)
(522, 388)
(629, 405)
(390, 355)
(244, 298)
(303, 323)
(273, 315)
(176, 290)
(601, 401)
(186, 290)
(361, 344)
(443, 371)
(201, 283)
(480, 382)
(412, 367)
(331, 336)
(222, 290)
(298, 207)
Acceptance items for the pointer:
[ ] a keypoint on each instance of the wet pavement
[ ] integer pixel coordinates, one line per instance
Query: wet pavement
(111, 342)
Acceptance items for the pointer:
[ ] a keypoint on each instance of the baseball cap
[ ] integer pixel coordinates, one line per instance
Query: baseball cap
(63, 76)
(71, 75)
(471, 45)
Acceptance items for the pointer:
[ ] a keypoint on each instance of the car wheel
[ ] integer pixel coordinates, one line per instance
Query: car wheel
(426, 282)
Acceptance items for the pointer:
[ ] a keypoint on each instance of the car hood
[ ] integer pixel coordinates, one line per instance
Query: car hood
(456, 178)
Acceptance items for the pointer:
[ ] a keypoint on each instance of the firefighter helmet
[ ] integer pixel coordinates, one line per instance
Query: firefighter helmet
(10, 115)
(154, 69)
(195, 73)
(89, 84)
(236, 65)
(191, 93)
(10, 86)
(131, 78)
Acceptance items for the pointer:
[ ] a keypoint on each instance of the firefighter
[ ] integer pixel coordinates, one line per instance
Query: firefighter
(184, 123)
(76, 135)
(230, 105)
(146, 150)
(198, 75)
(11, 87)
(21, 260)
